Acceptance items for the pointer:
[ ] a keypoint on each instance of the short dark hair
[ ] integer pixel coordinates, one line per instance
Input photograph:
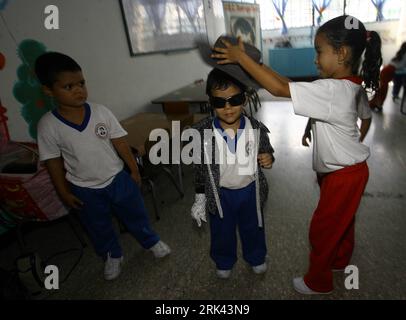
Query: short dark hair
(220, 80)
(49, 65)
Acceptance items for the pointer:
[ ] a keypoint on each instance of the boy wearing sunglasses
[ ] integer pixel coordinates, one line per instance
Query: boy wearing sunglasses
(230, 184)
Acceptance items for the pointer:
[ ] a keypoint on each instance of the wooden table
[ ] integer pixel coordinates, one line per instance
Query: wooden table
(140, 126)
(178, 101)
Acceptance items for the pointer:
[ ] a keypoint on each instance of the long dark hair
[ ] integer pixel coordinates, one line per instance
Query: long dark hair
(400, 53)
(349, 31)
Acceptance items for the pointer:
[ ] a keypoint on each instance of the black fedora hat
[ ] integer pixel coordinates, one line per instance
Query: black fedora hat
(232, 69)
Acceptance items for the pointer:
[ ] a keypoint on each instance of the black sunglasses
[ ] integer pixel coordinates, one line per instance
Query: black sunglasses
(234, 101)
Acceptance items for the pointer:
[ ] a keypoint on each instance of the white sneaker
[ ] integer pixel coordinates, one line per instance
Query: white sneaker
(260, 268)
(223, 274)
(160, 249)
(112, 267)
(301, 287)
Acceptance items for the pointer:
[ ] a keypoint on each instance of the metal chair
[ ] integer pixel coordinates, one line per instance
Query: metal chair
(30, 198)
(150, 172)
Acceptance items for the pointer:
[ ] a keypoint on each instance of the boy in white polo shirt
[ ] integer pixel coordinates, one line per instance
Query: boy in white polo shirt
(83, 146)
(230, 186)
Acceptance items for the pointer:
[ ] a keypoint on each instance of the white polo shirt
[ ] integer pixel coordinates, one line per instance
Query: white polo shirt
(238, 159)
(89, 157)
(334, 107)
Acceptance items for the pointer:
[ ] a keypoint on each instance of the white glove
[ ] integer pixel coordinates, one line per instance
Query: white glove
(198, 211)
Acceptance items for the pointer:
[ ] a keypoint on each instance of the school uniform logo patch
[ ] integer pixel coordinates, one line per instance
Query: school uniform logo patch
(249, 147)
(101, 130)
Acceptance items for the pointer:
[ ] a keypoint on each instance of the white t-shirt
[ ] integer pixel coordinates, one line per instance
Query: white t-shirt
(334, 107)
(237, 169)
(89, 157)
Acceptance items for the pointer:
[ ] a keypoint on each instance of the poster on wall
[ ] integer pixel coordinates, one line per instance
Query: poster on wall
(163, 25)
(214, 15)
(243, 19)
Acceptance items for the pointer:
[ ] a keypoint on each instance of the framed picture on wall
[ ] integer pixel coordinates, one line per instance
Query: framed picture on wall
(163, 25)
(243, 19)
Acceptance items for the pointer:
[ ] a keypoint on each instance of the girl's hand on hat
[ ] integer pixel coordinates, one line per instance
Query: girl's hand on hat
(265, 160)
(229, 54)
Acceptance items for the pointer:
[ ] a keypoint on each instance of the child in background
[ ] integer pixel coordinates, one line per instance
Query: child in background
(387, 75)
(83, 146)
(233, 197)
(334, 104)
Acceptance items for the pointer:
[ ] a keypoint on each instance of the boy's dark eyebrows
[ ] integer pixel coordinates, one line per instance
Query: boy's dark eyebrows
(71, 82)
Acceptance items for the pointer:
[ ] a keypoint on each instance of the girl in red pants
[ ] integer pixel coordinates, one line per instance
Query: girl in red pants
(334, 104)
(387, 75)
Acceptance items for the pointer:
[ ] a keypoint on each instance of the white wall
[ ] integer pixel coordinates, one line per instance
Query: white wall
(402, 25)
(93, 33)
(301, 37)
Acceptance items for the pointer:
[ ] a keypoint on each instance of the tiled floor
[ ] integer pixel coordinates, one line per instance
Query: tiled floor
(188, 273)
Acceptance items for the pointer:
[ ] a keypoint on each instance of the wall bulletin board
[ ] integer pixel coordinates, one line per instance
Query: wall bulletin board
(163, 25)
(243, 19)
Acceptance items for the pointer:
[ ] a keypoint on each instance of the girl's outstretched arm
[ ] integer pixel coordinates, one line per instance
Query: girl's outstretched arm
(269, 79)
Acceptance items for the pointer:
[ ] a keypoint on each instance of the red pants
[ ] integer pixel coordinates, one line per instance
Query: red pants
(386, 76)
(332, 227)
